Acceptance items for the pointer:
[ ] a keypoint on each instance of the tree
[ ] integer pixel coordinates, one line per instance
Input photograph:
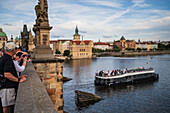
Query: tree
(144, 49)
(66, 53)
(139, 49)
(115, 47)
(57, 51)
(94, 50)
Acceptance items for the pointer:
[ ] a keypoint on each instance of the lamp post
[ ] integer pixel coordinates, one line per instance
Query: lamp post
(3, 44)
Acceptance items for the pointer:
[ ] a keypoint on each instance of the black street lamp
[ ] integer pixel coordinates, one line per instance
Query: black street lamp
(3, 44)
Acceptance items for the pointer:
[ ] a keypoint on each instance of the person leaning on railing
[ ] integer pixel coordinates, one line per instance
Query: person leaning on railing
(20, 61)
(9, 79)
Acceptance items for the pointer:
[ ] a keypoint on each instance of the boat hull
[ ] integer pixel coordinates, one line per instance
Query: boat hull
(126, 79)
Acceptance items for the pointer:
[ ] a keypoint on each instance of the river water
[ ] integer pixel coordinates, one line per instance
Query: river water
(150, 97)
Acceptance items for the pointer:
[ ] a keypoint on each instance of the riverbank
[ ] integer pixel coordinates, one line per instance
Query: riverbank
(129, 54)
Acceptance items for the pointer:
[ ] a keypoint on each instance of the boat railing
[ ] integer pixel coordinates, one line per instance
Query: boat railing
(121, 72)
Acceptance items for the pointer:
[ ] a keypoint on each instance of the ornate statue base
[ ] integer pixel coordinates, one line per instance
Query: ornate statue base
(42, 49)
(42, 52)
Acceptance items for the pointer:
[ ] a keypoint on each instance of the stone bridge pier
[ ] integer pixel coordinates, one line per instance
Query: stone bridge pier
(51, 74)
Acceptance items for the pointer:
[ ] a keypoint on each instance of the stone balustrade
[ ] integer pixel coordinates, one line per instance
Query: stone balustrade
(32, 96)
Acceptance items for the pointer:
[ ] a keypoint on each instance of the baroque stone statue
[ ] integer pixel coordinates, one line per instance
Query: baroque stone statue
(42, 29)
(41, 12)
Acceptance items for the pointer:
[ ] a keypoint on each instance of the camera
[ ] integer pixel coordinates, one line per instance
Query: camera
(24, 56)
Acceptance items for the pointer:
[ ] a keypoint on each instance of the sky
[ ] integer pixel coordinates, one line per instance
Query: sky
(106, 20)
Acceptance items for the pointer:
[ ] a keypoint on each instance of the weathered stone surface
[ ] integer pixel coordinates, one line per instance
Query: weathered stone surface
(51, 91)
(51, 80)
(84, 99)
(84, 96)
(65, 79)
(32, 96)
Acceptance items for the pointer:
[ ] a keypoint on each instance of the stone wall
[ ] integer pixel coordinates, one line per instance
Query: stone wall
(51, 74)
(32, 96)
(142, 53)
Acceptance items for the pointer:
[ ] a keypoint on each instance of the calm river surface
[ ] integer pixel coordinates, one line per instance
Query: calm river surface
(152, 97)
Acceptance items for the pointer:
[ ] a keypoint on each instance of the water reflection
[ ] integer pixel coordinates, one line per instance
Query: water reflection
(113, 90)
(78, 66)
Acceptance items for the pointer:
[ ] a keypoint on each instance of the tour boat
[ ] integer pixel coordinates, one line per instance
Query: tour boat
(125, 76)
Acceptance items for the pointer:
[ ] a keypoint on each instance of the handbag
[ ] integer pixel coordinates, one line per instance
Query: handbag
(3, 81)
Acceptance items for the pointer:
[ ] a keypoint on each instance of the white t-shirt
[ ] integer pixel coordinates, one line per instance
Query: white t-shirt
(18, 67)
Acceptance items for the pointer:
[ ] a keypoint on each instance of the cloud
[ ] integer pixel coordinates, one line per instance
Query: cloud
(6, 24)
(82, 31)
(95, 18)
(107, 36)
(58, 36)
(115, 36)
(138, 1)
(113, 4)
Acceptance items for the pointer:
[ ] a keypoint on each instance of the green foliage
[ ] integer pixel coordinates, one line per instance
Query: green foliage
(116, 48)
(139, 49)
(130, 49)
(96, 50)
(163, 47)
(144, 49)
(66, 53)
(57, 51)
(151, 49)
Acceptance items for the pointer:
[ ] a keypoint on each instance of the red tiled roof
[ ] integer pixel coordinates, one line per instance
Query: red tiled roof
(145, 43)
(85, 41)
(51, 41)
(100, 43)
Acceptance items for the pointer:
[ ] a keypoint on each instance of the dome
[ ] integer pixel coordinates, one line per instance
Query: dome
(16, 38)
(2, 34)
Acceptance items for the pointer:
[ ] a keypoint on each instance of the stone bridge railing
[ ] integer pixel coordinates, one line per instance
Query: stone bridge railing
(32, 96)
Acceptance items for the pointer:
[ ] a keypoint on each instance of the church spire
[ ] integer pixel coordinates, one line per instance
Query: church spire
(76, 35)
(76, 31)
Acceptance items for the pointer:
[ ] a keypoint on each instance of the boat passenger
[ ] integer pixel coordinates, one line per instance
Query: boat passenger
(109, 73)
(124, 71)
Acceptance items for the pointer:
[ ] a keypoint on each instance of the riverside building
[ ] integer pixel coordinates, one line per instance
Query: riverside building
(78, 48)
(3, 38)
(123, 43)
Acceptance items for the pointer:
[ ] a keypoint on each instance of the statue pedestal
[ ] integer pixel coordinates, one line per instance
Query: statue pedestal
(42, 52)
(42, 34)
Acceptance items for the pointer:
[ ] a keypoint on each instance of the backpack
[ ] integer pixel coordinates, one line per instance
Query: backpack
(2, 81)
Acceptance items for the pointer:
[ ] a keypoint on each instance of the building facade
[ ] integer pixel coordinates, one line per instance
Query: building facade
(31, 44)
(147, 45)
(3, 38)
(123, 43)
(103, 45)
(81, 49)
(60, 45)
(78, 48)
(18, 41)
